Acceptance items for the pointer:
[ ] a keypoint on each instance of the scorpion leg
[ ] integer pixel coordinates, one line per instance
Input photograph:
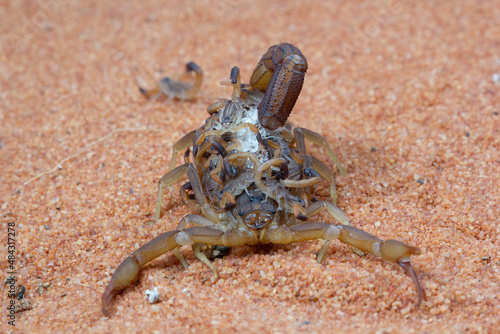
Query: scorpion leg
(389, 250)
(300, 183)
(317, 165)
(301, 142)
(337, 214)
(174, 176)
(194, 178)
(128, 270)
(211, 109)
(195, 220)
(318, 139)
(328, 175)
(227, 201)
(188, 199)
(180, 146)
(198, 252)
(332, 209)
(165, 181)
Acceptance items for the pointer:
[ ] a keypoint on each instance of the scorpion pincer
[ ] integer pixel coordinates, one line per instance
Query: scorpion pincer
(250, 179)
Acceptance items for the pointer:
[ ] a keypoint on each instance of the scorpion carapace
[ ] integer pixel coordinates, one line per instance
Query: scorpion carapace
(251, 180)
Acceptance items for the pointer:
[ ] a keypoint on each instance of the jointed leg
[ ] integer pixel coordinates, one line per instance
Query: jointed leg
(194, 220)
(180, 146)
(318, 139)
(174, 176)
(315, 164)
(165, 181)
(128, 270)
(336, 213)
(333, 210)
(300, 183)
(390, 250)
(327, 174)
(198, 251)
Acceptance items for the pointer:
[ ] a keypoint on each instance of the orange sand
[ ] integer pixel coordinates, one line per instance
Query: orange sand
(413, 81)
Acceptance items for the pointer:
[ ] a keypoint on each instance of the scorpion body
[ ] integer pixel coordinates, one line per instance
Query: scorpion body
(251, 180)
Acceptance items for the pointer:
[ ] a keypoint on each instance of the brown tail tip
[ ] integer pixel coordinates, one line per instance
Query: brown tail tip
(408, 268)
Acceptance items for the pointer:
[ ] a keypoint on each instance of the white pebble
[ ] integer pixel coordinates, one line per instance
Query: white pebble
(495, 77)
(153, 295)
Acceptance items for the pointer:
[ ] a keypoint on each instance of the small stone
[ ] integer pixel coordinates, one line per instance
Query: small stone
(23, 304)
(153, 295)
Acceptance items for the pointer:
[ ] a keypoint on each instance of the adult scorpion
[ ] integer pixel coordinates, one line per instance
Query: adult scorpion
(251, 180)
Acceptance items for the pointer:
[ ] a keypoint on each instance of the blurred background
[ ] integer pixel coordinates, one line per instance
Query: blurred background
(407, 94)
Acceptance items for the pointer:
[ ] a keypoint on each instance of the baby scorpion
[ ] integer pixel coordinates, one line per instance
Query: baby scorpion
(251, 180)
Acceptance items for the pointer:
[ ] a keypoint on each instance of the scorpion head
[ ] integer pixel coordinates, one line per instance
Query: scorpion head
(255, 210)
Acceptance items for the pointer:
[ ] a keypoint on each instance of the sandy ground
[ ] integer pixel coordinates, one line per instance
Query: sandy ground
(407, 94)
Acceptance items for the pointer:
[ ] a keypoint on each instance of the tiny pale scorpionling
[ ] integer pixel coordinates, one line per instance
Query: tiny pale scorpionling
(251, 180)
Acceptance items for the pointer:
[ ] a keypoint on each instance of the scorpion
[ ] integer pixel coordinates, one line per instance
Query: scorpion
(250, 179)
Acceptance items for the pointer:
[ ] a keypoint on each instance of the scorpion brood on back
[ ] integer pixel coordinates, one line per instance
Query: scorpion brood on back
(251, 180)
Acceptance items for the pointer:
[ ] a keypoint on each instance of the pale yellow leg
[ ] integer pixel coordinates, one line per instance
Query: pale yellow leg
(390, 250)
(318, 139)
(328, 175)
(333, 210)
(180, 146)
(128, 270)
(197, 248)
(175, 175)
(166, 181)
